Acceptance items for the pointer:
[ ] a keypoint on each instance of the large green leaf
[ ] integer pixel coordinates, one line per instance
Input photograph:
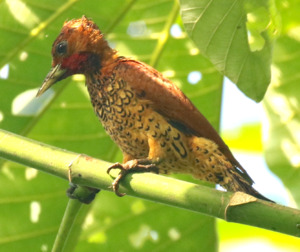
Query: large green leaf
(282, 104)
(282, 101)
(64, 117)
(237, 37)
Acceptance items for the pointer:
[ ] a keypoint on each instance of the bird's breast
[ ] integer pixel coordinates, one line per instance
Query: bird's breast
(132, 123)
(120, 112)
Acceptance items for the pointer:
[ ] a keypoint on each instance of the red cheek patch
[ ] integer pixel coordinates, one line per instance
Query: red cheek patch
(75, 63)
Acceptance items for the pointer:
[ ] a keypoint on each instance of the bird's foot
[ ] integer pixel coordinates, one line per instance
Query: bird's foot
(135, 165)
(82, 193)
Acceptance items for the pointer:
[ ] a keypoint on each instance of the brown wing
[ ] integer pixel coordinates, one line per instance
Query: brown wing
(168, 100)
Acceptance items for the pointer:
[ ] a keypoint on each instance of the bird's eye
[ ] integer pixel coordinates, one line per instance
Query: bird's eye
(61, 48)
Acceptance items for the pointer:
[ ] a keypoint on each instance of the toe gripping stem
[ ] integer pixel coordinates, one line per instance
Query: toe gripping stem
(135, 165)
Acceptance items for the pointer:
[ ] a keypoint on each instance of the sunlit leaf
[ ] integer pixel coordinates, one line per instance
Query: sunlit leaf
(237, 38)
(282, 125)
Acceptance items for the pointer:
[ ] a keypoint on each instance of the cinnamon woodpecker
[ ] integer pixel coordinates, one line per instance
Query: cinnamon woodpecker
(155, 125)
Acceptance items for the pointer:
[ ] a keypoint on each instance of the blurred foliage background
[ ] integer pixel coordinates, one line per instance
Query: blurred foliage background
(266, 33)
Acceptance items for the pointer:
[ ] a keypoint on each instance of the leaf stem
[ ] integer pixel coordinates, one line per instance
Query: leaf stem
(164, 35)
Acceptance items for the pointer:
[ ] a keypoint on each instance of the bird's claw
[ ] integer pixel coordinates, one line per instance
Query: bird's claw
(115, 183)
(137, 165)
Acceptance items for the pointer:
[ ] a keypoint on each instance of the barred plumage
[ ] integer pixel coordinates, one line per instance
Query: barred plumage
(152, 121)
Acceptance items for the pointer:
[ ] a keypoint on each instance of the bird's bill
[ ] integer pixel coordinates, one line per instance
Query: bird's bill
(52, 77)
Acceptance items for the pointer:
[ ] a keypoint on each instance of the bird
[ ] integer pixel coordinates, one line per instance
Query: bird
(155, 125)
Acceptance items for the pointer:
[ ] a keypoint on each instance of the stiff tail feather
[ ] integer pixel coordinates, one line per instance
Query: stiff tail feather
(238, 183)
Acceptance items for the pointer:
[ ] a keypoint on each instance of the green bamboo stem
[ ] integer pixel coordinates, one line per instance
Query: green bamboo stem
(66, 225)
(87, 171)
(71, 224)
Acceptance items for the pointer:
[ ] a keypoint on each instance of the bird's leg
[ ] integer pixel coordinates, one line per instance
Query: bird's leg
(135, 165)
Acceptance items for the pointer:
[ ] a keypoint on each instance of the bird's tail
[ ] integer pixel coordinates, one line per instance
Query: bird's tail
(239, 183)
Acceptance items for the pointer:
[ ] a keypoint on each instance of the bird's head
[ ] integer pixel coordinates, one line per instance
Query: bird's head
(80, 48)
